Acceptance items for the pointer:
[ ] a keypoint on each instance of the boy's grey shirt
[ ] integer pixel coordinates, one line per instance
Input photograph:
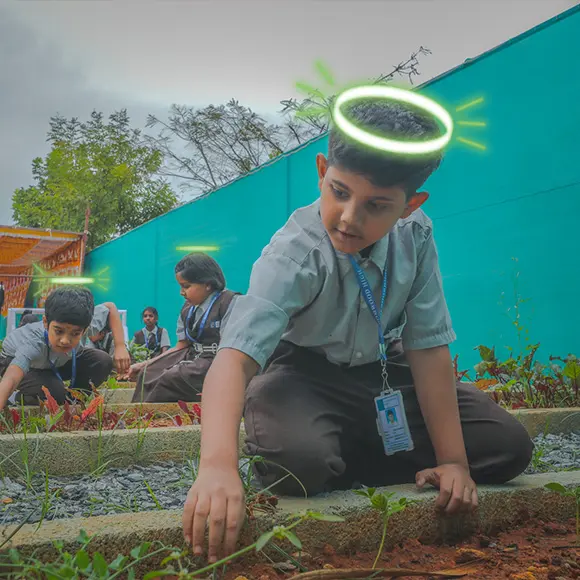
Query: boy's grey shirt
(304, 291)
(28, 347)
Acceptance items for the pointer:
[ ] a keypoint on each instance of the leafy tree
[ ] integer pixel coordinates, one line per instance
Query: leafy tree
(206, 148)
(105, 166)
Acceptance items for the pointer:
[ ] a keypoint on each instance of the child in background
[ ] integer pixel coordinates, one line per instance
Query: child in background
(27, 317)
(155, 338)
(178, 374)
(106, 333)
(48, 352)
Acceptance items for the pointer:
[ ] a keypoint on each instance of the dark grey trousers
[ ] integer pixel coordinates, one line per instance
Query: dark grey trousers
(93, 366)
(317, 420)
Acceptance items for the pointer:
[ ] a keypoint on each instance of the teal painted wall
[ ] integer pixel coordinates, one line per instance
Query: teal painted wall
(517, 200)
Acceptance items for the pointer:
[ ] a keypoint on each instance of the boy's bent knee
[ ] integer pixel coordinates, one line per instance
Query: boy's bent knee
(299, 470)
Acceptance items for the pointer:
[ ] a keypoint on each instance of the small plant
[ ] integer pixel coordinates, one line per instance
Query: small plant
(384, 503)
(520, 381)
(138, 352)
(572, 492)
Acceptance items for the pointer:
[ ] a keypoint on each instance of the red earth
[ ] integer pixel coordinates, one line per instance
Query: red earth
(536, 551)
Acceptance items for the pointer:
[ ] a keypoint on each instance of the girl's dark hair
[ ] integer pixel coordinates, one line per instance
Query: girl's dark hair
(70, 305)
(199, 268)
(395, 121)
(150, 309)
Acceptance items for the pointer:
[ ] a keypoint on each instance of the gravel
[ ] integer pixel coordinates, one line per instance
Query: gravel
(165, 486)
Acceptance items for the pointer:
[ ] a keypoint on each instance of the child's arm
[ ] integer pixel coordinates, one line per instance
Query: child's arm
(217, 496)
(121, 356)
(434, 380)
(9, 382)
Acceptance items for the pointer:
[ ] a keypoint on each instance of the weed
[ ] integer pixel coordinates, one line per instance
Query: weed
(572, 492)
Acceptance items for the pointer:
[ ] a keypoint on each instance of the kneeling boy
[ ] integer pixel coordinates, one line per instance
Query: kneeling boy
(46, 353)
(347, 294)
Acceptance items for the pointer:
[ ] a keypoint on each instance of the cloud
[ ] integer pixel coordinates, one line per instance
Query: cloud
(36, 82)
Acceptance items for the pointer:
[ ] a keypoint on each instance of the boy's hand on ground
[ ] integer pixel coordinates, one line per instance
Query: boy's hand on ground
(457, 491)
(122, 359)
(216, 497)
(133, 371)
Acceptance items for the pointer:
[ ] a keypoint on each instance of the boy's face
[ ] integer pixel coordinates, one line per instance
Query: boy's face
(194, 293)
(149, 319)
(63, 337)
(356, 213)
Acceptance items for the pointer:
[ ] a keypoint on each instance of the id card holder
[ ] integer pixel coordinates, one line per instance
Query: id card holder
(392, 423)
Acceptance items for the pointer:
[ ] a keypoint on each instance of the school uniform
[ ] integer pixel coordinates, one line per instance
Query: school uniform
(27, 348)
(179, 375)
(306, 323)
(155, 339)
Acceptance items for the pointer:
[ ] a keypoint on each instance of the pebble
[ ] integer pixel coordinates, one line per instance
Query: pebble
(555, 453)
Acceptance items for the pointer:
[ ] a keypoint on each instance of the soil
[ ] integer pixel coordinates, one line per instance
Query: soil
(537, 551)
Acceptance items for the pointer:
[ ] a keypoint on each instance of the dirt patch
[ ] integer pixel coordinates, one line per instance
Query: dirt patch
(538, 551)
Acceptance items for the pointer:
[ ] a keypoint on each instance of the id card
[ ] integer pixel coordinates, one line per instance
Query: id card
(392, 423)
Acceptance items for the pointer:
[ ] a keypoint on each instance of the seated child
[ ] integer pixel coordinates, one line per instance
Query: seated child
(354, 271)
(106, 333)
(178, 373)
(155, 338)
(48, 352)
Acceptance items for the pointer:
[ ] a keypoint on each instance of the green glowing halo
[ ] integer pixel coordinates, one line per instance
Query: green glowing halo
(383, 143)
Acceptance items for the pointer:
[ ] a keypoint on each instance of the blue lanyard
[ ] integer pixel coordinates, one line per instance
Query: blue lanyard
(147, 340)
(203, 319)
(53, 367)
(370, 300)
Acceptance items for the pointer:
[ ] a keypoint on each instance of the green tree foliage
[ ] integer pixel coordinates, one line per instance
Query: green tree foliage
(104, 165)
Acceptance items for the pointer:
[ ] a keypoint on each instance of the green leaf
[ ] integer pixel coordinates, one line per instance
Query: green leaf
(292, 537)
(131, 574)
(118, 562)
(82, 560)
(557, 487)
(263, 540)
(140, 551)
(14, 556)
(572, 370)
(83, 537)
(325, 517)
(158, 574)
(486, 354)
(100, 564)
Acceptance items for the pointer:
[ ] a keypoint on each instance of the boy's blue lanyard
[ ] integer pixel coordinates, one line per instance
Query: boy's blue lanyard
(203, 319)
(377, 314)
(53, 367)
(147, 340)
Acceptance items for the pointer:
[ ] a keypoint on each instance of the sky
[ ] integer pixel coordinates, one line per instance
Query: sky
(74, 56)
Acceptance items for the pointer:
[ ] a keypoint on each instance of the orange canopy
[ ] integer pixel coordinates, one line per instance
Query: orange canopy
(57, 252)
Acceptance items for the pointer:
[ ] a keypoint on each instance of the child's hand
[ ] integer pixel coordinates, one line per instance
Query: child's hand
(457, 491)
(216, 497)
(133, 371)
(122, 359)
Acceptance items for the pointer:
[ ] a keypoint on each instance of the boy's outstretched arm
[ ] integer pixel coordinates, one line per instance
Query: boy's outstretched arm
(9, 382)
(121, 355)
(434, 379)
(217, 496)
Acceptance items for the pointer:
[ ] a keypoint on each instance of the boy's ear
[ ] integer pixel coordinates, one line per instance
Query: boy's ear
(322, 167)
(415, 202)
(45, 322)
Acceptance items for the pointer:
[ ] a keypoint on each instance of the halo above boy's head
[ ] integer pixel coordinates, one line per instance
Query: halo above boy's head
(381, 142)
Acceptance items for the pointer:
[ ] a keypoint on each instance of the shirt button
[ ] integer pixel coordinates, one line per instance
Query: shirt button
(358, 355)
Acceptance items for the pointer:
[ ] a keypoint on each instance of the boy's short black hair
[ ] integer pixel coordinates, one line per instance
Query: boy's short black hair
(199, 268)
(70, 305)
(391, 120)
(151, 309)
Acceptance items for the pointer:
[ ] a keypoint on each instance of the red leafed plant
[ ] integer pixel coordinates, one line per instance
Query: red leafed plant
(92, 408)
(194, 413)
(51, 403)
(15, 417)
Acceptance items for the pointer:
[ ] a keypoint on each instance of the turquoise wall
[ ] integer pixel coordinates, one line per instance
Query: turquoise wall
(505, 218)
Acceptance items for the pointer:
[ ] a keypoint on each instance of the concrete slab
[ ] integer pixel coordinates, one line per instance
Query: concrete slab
(556, 421)
(501, 507)
(83, 451)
